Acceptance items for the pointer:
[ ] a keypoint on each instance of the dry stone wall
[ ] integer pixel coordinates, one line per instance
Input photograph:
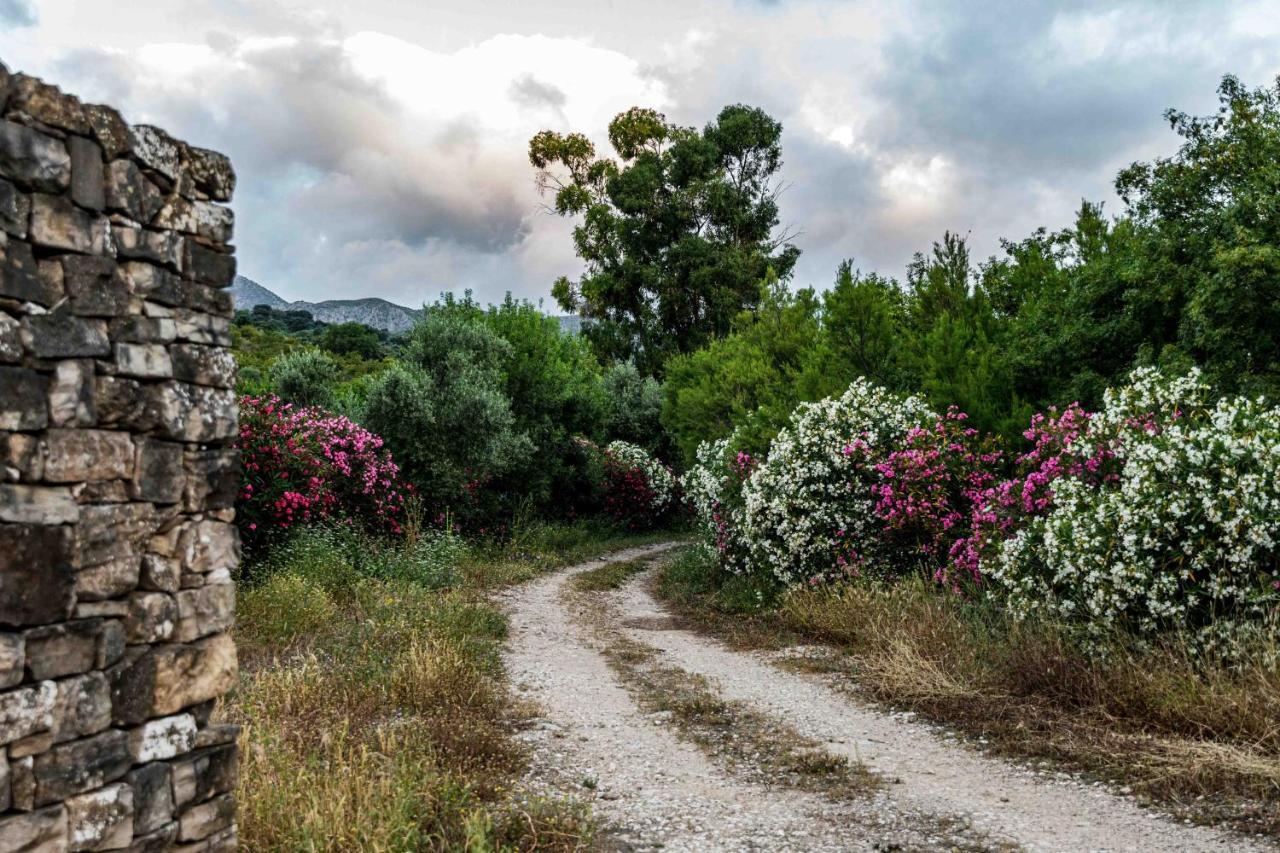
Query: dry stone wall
(117, 481)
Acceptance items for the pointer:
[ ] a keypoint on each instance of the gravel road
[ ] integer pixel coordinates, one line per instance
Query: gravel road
(650, 789)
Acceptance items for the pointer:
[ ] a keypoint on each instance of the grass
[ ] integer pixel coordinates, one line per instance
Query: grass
(1189, 734)
(609, 576)
(372, 698)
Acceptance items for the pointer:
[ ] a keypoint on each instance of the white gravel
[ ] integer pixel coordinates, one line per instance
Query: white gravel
(653, 790)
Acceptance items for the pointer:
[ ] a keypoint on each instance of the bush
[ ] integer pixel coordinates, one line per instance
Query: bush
(639, 490)
(633, 408)
(713, 489)
(305, 377)
(306, 465)
(1186, 534)
(809, 510)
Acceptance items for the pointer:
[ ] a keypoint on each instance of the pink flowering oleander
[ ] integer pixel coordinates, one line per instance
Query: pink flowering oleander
(303, 465)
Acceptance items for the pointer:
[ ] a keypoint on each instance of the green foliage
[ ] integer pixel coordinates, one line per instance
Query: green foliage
(305, 377)
(676, 234)
(633, 408)
(353, 338)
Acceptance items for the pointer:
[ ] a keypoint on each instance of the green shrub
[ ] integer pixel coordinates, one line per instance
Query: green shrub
(305, 377)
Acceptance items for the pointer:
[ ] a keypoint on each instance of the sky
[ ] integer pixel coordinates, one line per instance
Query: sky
(381, 146)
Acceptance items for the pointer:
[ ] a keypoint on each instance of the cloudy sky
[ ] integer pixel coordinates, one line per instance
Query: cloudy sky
(381, 145)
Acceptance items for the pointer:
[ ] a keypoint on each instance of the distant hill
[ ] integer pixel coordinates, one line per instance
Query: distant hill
(374, 312)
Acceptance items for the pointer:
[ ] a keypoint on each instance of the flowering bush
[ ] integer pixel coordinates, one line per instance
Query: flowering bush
(809, 510)
(1183, 531)
(303, 465)
(713, 489)
(638, 489)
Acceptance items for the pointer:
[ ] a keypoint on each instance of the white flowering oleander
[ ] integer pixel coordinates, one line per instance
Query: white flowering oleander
(659, 476)
(809, 494)
(1189, 536)
(713, 488)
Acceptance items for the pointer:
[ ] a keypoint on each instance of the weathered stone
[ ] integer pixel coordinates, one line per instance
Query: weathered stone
(83, 706)
(159, 841)
(158, 151)
(10, 339)
(156, 740)
(188, 674)
(158, 247)
(204, 365)
(114, 608)
(23, 455)
(15, 210)
(204, 774)
(212, 173)
(96, 287)
(109, 579)
(22, 399)
(147, 361)
(12, 657)
(87, 184)
(111, 645)
(102, 819)
(208, 266)
(213, 479)
(65, 649)
(197, 413)
(132, 682)
(20, 274)
(152, 797)
(27, 710)
(22, 783)
(81, 765)
(5, 790)
(38, 583)
(201, 328)
(163, 287)
(45, 505)
(44, 831)
(207, 818)
(71, 398)
(217, 735)
(31, 745)
(160, 573)
(205, 611)
(143, 330)
(109, 532)
(207, 545)
(47, 104)
(159, 475)
(214, 222)
(56, 223)
(33, 159)
(128, 190)
(109, 129)
(64, 335)
(76, 455)
(126, 403)
(152, 617)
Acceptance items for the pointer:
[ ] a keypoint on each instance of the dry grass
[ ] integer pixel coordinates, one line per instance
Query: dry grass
(1190, 734)
(609, 576)
(376, 717)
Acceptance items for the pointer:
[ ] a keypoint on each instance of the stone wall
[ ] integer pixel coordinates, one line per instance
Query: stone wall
(117, 481)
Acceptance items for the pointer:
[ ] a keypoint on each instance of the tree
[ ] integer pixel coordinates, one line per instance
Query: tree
(352, 338)
(676, 233)
(305, 376)
(633, 408)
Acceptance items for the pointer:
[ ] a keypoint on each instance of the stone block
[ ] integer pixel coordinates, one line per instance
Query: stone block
(63, 335)
(81, 765)
(208, 266)
(44, 831)
(23, 455)
(44, 505)
(20, 276)
(88, 188)
(71, 394)
(145, 361)
(126, 403)
(160, 573)
(113, 531)
(186, 675)
(207, 818)
(109, 579)
(12, 658)
(204, 365)
(152, 617)
(82, 707)
(78, 455)
(212, 173)
(143, 330)
(68, 648)
(208, 545)
(111, 644)
(152, 797)
(47, 104)
(213, 479)
(132, 682)
(111, 131)
(217, 735)
(201, 328)
(160, 474)
(15, 210)
(204, 611)
(33, 159)
(157, 740)
(96, 287)
(196, 413)
(158, 151)
(204, 774)
(23, 399)
(101, 819)
(11, 348)
(56, 223)
(158, 841)
(22, 783)
(129, 191)
(5, 789)
(157, 247)
(38, 583)
(27, 710)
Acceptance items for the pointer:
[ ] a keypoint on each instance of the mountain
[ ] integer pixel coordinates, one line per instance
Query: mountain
(378, 313)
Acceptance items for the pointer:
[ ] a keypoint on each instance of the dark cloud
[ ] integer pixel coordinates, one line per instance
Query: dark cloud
(17, 13)
(529, 91)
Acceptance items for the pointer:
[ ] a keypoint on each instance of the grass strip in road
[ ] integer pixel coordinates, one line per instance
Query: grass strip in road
(609, 576)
